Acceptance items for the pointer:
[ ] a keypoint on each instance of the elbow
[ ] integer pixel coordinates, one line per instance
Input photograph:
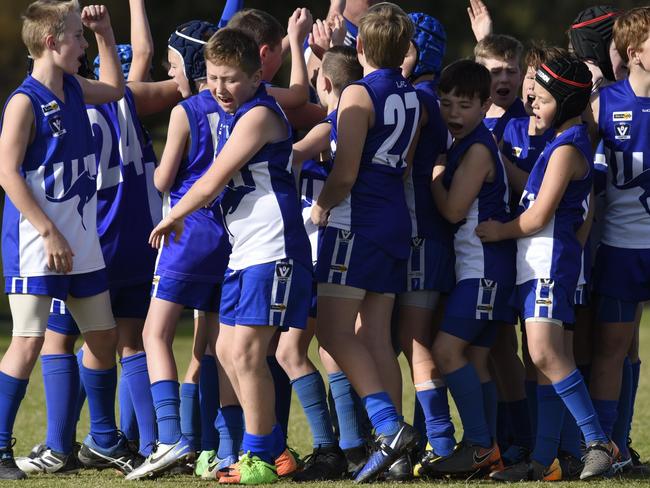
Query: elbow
(452, 216)
(161, 183)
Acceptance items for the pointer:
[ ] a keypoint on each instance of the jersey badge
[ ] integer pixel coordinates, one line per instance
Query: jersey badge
(56, 126)
(622, 131)
(625, 116)
(50, 108)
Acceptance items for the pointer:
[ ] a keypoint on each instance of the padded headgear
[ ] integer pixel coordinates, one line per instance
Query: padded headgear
(568, 80)
(430, 41)
(591, 35)
(188, 41)
(125, 56)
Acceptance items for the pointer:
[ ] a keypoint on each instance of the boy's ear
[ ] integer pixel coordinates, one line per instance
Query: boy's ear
(50, 42)
(631, 55)
(328, 84)
(264, 52)
(359, 45)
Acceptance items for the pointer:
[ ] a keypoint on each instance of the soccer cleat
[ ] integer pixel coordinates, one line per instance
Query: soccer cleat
(203, 462)
(571, 466)
(423, 468)
(162, 458)
(388, 449)
(599, 458)
(8, 468)
(251, 470)
(218, 467)
(356, 458)
(118, 456)
(468, 458)
(42, 459)
(515, 455)
(325, 463)
(401, 470)
(286, 463)
(529, 471)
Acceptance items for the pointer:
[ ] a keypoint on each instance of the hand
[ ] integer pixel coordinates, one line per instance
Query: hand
(58, 252)
(299, 25)
(160, 235)
(96, 18)
(479, 17)
(337, 7)
(319, 215)
(339, 30)
(489, 231)
(319, 38)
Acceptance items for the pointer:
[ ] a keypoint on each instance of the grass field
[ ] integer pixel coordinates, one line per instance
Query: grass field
(30, 427)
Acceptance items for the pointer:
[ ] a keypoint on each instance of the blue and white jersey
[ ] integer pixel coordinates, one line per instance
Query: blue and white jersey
(474, 259)
(376, 206)
(555, 252)
(59, 169)
(261, 208)
(351, 33)
(624, 121)
(202, 252)
(521, 148)
(426, 221)
(312, 179)
(128, 204)
(498, 124)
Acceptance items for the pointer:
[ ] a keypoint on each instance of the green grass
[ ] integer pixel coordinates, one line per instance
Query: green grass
(30, 426)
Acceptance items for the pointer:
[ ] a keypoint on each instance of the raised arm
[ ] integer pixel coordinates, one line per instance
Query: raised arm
(480, 19)
(141, 42)
(154, 96)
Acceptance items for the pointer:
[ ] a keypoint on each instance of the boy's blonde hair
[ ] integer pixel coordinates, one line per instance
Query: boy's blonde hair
(499, 46)
(234, 47)
(539, 53)
(43, 18)
(631, 30)
(386, 32)
(341, 65)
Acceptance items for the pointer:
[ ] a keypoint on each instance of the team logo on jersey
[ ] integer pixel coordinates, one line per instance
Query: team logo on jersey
(56, 126)
(50, 108)
(488, 284)
(278, 307)
(340, 268)
(417, 241)
(622, 131)
(283, 270)
(516, 151)
(345, 235)
(622, 116)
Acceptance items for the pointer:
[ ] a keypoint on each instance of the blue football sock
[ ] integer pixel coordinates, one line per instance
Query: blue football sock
(81, 394)
(61, 384)
(350, 428)
(382, 413)
(230, 425)
(166, 402)
(100, 385)
(607, 411)
(128, 422)
(310, 390)
(520, 422)
(636, 373)
(260, 446)
(466, 389)
(571, 437)
(573, 392)
(12, 391)
(503, 436)
(279, 441)
(282, 393)
(190, 412)
(134, 371)
(531, 399)
(620, 430)
(439, 429)
(209, 402)
(490, 403)
(420, 424)
(551, 412)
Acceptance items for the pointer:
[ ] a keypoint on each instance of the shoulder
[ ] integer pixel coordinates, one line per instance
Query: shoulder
(355, 94)
(19, 103)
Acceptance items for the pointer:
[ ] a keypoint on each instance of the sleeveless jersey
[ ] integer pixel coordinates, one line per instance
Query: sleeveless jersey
(521, 148)
(624, 121)
(376, 206)
(128, 204)
(59, 168)
(426, 221)
(555, 252)
(201, 254)
(260, 205)
(474, 259)
(498, 124)
(312, 179)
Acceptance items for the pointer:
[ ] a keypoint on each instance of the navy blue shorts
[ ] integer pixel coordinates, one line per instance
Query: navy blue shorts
(430, 266)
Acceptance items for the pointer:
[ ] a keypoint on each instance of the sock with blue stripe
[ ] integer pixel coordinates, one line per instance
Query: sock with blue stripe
(551, 412)
(230, 425)
(209, 402)
(12, 391)
(310, 390)
(282, 393)
(350, 429)
(190, 412)
(128, 422)
(382, 413)
(465, 388)
(100, 386)
(166, 402)
(573, 392)
(531, 399)
(136, 375)
(260, 446)
(439, 429)
(61, 384)
(520, 421)
(490, 403)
